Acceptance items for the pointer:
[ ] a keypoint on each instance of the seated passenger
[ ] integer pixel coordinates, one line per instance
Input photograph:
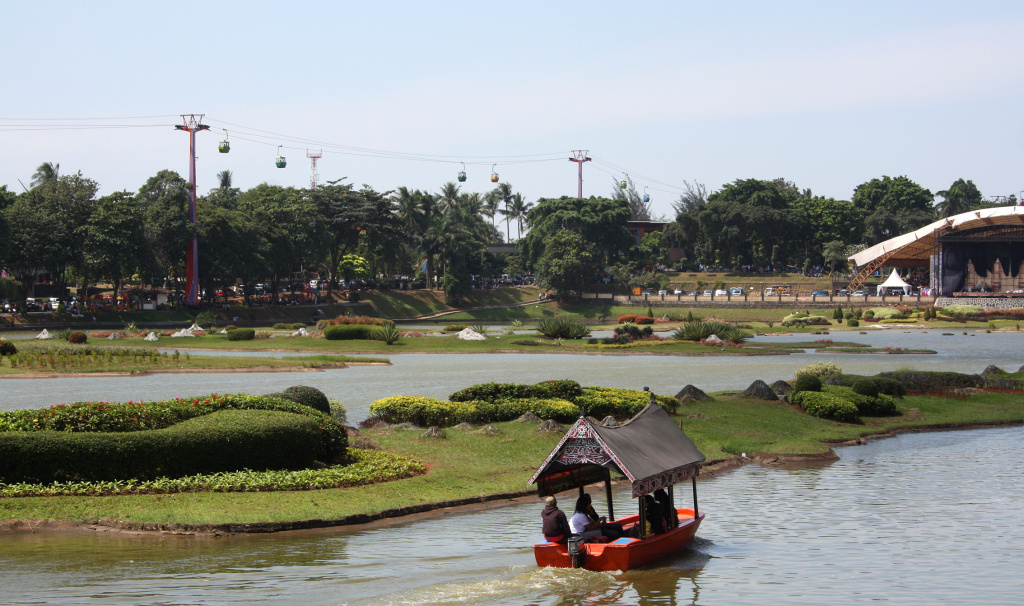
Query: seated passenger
(555, 526)
(668, 510)
(654, 523)
(583, 526)
(612, 530)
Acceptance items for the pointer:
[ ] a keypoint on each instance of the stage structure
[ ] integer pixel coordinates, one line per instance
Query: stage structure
(973, 254)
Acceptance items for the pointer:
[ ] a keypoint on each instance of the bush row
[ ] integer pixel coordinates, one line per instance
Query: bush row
(143, 416)
(241, 334)
(493, 392)
(365, 467)
(346, 332)
(442, 413)
(226, 440)
(826, 405)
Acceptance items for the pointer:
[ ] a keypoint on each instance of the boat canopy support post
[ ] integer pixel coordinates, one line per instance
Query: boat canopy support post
(608, 493)
(694, 480)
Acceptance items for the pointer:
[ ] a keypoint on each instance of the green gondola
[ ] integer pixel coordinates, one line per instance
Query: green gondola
(225, 145)
(281, 162)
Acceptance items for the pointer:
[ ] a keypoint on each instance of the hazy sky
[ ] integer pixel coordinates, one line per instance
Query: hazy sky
(825, 94)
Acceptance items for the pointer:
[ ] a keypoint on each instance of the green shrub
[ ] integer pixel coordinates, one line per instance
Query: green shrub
(494, 392)
(280, 326)
(921, 381)
(77, 338)
(838, 313)
(346, 332)
(428, 411)
(804, 319)
(338, 412)
(7, 348)
(389, 334)
(868, 314)
(853, 322)
(241, 334)
(141, 416)
(701, 329)
(826, 405)
(227, 440)
(455, 328)
(865, 387)
(297, 325)
(600, 402)
(807, 383)
(207, 319)
(877, 405)
(309, 396)
(819, 369)
(562, 328)
(847, 316)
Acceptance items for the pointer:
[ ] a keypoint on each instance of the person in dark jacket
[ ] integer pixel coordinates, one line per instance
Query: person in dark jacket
(555, 526)
(668, 511)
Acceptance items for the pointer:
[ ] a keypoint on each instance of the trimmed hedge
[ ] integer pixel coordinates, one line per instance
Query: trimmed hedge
(77, 338)
(347, 332)
(880, 384)
(826, 405)
(620, 403)
(879, 405)
(226, 440)
(142, 416)
(309, 396)
(806, 383)
(7, 348)
(428, 411)
(493, 392)
(241, 334)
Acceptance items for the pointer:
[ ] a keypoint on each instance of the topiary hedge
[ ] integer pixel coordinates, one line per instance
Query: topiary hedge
(309, 396)
(226, 440)
(241, 334)
(428, 411)
(141, 416)
(346, 332)
(826, 405)
(922, 381)
(879, 405)
(77, 338)
(806, 383)
(620, 403)
(7, 348)
(492, 392)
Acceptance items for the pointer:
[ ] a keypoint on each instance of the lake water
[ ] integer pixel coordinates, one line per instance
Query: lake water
(918, 519)
(438, 375)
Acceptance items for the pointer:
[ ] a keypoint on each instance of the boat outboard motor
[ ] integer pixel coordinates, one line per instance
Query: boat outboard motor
(576, 551)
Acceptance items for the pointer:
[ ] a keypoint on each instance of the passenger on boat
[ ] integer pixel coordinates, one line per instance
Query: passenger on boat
(612, 530)
(654, 521)
(582, 524)
(555, 526)
(668, 511)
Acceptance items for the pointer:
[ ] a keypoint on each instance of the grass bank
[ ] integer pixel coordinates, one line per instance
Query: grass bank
(468, 464)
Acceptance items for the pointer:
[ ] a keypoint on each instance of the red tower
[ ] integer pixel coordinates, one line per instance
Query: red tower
(192, 125)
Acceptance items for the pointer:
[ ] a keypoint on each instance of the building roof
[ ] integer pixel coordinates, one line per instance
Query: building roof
(914, 247)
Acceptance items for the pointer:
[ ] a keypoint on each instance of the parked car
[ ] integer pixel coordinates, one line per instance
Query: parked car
(721, 292)
(819, 293)
(648, 292)
(858, 293)
(662, 293)
(736, 291)
(678, 291)
(708, 293)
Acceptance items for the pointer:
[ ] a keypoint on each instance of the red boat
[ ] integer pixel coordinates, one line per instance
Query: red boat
(652, 452)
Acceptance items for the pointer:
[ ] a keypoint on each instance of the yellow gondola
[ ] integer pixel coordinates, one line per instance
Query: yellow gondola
(494, 175)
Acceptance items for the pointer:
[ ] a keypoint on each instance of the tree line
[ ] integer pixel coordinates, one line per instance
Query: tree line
(267, 233)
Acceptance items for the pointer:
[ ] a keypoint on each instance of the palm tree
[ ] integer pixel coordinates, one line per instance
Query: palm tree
(473, 202)
(518, 212)
(410, 210)
(224, 179)
(490, 208)
(47, 172)
(504, 194)
(449, 196)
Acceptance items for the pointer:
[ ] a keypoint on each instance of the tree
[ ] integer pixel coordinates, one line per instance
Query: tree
(518, 212)
(694, 197)
(834, 253)
(163, 200)
(46, 173)
(600, 221)
(638, 209)
(353, 267)
(569, 263)
(503, 194)
(115, 241)
(962, 196)
(892, 206)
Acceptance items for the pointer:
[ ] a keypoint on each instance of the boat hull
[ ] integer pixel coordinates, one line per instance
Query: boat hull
(625, 553)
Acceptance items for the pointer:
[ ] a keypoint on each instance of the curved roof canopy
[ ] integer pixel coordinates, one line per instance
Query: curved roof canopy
(914, 248)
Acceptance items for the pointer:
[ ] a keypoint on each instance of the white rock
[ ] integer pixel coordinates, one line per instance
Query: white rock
(302, 332)
(44, 335)
(468, 334)
(151, 337)
(714, 340)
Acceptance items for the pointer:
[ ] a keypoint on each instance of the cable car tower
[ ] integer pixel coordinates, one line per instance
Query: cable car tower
(579, 156)
(313, 157)
(192, 125)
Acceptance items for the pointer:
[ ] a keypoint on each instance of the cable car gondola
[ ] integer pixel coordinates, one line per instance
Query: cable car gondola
(462, 173)
(281, 162)
(647, 198)
(225, 145)
(623, 184)
(494, 175)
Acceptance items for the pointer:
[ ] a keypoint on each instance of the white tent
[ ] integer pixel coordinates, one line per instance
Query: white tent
(894, 281)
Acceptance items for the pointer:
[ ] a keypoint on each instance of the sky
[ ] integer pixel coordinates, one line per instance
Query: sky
(825, 94)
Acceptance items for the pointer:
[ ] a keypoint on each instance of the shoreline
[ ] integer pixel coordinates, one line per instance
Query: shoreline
(401, 515)
(163, 371)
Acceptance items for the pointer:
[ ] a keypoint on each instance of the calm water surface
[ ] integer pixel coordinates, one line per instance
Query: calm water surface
(438, 375)
(918, 519)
